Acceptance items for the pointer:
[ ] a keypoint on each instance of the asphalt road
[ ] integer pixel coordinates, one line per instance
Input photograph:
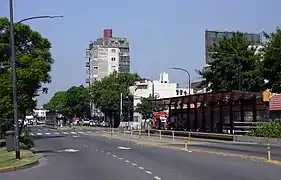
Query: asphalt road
(96, 157)
(257, 150)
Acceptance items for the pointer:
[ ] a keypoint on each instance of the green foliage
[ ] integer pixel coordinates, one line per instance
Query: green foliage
(271, 129)
(234, 58)
(33, 60)
(146, 108)
(73, 102)
(272, 60)
(105, 94)
(27, 140)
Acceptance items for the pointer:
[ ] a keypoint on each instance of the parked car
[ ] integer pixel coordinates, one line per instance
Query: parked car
(86, 122)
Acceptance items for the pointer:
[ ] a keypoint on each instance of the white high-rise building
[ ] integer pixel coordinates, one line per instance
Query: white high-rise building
(106, 55)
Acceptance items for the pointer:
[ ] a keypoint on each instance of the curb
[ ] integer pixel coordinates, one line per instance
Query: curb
(63, 129)
(254, 158)
(50, 127)
(21, 167)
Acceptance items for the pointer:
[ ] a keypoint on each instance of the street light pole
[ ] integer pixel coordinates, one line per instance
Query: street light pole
(14, 74)
(14, 83)
(189, 79)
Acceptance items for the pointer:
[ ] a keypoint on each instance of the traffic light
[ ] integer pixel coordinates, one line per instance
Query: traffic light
(45, 90)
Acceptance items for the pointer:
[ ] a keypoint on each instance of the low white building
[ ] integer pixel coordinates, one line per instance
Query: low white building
(161, 88)
(40, 113)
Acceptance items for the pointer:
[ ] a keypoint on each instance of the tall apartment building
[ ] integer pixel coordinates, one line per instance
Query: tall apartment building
(106, 55)
(212, 37)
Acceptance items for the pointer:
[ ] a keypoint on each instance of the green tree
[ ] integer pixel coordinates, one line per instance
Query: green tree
(58, 103)
(105, 94)
(146, 107)
(272, 60)
(33, 60)
(236, 65)
(70, 103)
(78, 101)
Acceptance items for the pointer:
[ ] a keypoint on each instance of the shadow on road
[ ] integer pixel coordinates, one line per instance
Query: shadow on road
(47, 137)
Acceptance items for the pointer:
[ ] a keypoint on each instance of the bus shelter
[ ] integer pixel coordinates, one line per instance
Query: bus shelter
(216, 112)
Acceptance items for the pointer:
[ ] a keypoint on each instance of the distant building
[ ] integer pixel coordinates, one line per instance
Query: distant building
(212, 37)
(161, 88)
(106, 55)
(40, 113)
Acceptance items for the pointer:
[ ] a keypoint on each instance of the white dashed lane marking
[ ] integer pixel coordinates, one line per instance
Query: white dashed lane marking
(48, 133)
(65, 132)
(148, 172)
(39, 134)
(133, 164)
(73, 132)
(56, 133)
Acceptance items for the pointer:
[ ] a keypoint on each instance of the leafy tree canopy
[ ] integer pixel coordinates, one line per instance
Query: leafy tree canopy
(146, 108)
(105, 94)
(236, 65)
(272, 60)
(73, 102)
(33, 60)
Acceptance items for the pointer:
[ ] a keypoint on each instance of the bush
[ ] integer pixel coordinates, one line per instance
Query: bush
(27, 141)
(271, 129)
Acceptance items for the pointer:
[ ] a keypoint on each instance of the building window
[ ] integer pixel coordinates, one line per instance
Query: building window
(113, 50)
(113, 59)
(177, 91)
(95, 67)
(180, 92)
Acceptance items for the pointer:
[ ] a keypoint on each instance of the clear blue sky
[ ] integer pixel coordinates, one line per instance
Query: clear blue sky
(163, 33)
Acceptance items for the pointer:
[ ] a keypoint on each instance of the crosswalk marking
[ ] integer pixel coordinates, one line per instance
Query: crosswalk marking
(50, 133)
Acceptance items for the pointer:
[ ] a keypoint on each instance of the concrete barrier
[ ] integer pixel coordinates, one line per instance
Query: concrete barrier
(257, 140)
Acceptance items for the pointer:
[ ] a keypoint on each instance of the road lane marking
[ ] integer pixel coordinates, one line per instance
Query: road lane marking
(56, 133)
(134, 164)
(141, 168)
(65, 132)
(127, 161)
(108, 153)
(156, 177)
(114, 155)
(73, 132)
(124, 148)
(70, 150)
(39, 134)
(81, 132)
(88, 132)
(148, 172)
(120, 158)
(48, 133)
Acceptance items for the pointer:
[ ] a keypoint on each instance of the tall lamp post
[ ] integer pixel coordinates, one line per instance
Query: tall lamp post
(14, 75)
(189, 79)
